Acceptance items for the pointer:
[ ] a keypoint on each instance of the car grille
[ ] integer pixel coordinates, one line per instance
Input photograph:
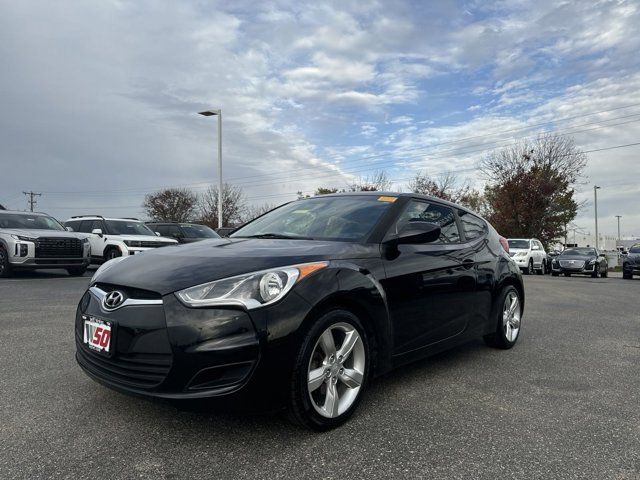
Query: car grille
(137, 370)
(52, 247)
(572, 264)
(148, 244)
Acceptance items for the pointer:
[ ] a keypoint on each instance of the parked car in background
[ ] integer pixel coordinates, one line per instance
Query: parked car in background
(305, 304)
(116, 237)
(183, 232)
(582, 261)
(631, 262)
(225, 231)
(529, 255)
(30, 241)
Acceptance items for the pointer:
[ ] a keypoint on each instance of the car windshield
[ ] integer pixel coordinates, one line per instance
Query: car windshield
(519, 244)
(635, 249)
(127, 227)
(579, 252)
(346, 218)
(29, 222)
(198, 231)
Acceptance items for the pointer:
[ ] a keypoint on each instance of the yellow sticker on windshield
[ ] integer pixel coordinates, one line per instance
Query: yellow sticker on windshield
(387, 199)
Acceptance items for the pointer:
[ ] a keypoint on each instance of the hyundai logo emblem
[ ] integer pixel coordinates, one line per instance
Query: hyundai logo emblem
(113, 300)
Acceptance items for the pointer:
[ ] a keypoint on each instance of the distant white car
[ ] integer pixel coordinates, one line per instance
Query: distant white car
(116, 237)
(529, 255)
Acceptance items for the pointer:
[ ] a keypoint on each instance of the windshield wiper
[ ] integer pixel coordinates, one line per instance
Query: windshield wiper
(276, 236)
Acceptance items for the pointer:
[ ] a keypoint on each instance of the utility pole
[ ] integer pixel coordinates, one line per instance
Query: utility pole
(595, 204)
(619, 239)
(32, 201)
(218, 113)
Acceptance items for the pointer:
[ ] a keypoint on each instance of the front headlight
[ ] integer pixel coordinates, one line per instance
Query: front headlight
(85, 240)
(592, 262)
(24, 239)
(520, 254)
(133, 243)
(104, 267)
(251, 290)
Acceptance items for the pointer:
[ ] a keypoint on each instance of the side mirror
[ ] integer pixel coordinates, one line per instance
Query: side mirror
(97, 231)
(416, 232)
(68, 229)
(157, 234)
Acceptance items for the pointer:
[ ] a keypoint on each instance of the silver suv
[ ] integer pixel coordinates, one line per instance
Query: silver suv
(30, 241)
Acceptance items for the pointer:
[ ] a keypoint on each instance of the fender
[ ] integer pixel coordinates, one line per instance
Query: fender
(356, 288)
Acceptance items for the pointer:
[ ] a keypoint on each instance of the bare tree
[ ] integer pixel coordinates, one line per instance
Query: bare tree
(171, 205)
(233, 206)
(377, 182)
(254, 211)
(449, 188)
(530, 189)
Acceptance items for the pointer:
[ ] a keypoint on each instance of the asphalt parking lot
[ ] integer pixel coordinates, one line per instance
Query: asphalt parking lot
(564, 403)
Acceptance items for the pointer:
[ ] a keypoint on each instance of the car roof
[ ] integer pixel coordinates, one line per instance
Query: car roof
(20, 212)
(394, 194)
(98, 217)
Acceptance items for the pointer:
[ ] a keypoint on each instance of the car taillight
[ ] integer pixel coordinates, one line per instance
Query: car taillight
(505, 244)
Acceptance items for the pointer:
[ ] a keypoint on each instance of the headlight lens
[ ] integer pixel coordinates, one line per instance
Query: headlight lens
(85, 240)
(104, 267)
(520, 254)
(25, 239)
(592, 262)
(133, 243)
(251, 290)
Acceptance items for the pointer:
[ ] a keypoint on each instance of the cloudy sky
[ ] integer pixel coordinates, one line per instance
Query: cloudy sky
(99, 98)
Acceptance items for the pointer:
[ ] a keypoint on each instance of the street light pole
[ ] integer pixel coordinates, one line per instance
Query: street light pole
(218, 113)
(595, 204)
(619, 239)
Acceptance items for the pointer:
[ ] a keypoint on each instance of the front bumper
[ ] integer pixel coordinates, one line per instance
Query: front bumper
(166, 350)
(23, 255)
(586, 270)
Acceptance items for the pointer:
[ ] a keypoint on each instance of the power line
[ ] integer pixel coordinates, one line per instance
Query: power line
(442, 154)
(396, 180)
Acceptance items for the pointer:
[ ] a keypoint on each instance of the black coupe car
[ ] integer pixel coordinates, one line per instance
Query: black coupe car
(183, 232)
(582, 261)
(631, 262)
(304, 304)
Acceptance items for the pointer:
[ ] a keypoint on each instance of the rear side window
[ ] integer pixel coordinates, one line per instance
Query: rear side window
(472, 226)
(442, 216)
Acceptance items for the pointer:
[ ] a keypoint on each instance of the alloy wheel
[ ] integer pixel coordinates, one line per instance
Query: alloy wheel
(511, 314)
(336, 373)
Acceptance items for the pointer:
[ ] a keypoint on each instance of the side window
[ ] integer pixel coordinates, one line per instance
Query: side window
(85, 226)
(175, 232)
(442, 216)
(74, 224)
(161, 229)
(472, 226)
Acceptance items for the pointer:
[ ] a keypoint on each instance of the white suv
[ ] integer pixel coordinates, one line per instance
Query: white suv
(116, 237)
(529, 255)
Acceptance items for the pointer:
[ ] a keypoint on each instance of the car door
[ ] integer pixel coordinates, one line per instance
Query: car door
(96, 241)
(429, 287)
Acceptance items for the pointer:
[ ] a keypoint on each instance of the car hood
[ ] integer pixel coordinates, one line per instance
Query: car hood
(146, 238)
(37, 233)
(166, 270)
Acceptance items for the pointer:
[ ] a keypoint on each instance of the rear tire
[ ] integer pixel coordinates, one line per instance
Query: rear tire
(554, 274)
(567, 274)
(5, 266)
(627, 276)
(507, 317)
(310, 400)
(76, 271)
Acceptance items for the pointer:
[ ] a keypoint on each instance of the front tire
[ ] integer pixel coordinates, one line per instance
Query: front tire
(627, 276)
(507, 315)
(5, 266)
(596, 271)
(529, 270)
(111, 253)
(331, 371)
(555, 274)
(76, 271)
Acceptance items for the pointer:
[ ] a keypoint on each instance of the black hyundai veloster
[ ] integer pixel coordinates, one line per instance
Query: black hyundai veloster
(304, 305)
